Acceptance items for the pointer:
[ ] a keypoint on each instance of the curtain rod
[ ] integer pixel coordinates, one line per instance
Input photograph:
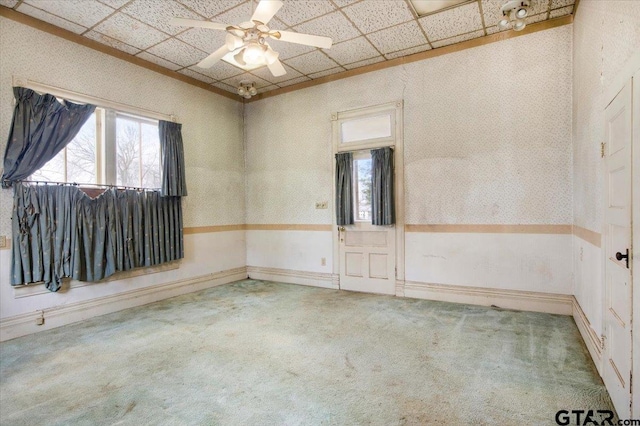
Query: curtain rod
(99, 102)
(48, 182)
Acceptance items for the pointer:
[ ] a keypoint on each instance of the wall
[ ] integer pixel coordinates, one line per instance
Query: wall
(606, 38)
(213, 137)
(487, 142)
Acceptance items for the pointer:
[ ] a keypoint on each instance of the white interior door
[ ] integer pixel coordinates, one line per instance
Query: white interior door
(367, 252)
(370, 258)
(618, 290)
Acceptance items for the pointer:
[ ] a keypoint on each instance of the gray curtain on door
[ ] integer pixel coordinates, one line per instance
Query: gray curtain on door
(40, 128)
(382, 197)
(344, 188)
(173, 178)
(59, 231)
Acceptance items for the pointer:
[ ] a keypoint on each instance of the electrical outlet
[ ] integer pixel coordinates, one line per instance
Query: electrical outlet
(322, 204)
(323, 261)
(3, 241)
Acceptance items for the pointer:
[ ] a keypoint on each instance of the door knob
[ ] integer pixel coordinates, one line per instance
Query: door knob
(620, 256)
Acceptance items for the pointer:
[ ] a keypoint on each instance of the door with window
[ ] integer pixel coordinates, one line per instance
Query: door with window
(366, 254)
(617, 251)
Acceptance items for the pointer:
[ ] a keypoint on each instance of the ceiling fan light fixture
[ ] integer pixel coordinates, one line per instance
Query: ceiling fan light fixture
(254, 54)
(514, 12)
(270, 55)
(519, 25)
(233, 42)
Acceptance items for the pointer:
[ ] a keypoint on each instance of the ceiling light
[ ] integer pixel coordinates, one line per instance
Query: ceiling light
(513, 14)
(254, 54)
(247, 89)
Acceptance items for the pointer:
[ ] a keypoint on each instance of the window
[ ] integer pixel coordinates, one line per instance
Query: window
(362, 186)
(124, 151)
(376, 127)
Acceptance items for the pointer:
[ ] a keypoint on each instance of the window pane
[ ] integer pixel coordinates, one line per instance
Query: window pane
(366, 128)
(53, 171)
(150, 156)
(127, 152)
(81, 154)
(362, 182)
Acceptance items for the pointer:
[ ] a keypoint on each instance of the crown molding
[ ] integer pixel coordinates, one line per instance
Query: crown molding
(92, 44)
(476, 42)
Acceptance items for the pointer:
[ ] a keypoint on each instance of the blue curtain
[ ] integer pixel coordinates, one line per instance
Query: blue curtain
(59, 231)
(173, 178)
(382, 199)
(344, 188)
(40, 128)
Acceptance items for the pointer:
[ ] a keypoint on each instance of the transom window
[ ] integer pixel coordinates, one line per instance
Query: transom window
(111, 148)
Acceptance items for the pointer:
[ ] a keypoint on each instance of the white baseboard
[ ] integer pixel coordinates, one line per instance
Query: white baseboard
(315, 279)
(590, 337)
(507, 299)
(21, 325)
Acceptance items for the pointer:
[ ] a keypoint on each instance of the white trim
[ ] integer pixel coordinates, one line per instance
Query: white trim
(508, 299)
(635, 242)
(398, 146)
(21, 325)
(621, 79)
(88, 99)
(591, 339)
(290, 276)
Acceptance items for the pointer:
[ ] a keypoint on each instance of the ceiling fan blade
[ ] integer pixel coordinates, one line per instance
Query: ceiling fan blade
(184, 22)
(213, 58)
(265, 10)
(276, 68)
(306, 39)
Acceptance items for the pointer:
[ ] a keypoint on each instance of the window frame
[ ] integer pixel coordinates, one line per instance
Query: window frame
(107, 146)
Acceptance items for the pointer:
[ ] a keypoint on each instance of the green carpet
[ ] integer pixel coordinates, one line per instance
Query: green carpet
(264, 353)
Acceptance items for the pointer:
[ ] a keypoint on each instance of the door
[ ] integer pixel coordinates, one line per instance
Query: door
(370, 258)
(367, 252)
(618, 294)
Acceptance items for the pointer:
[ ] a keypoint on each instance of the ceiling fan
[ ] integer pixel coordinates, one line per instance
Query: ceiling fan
(248, 41)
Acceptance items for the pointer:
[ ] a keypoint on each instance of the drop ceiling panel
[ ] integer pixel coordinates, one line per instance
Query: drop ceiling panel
(52, 19)
(354, 50)
(85, 13)
(130, 31)
(372, 16)
(311, 62)
(178, 52)
(208, 8)
(458, 39)
(364, 32)
(220, 71)
(203, 39)
(398, 38)
(265, 74)
(334, 25)
(452, 22)
(294, 13)
(158, 13)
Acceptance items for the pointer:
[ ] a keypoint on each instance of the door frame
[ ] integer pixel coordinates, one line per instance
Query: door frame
(630, 73)
(337, 118)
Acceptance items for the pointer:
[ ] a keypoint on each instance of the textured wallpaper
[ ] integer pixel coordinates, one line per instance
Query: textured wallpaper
(487, 137)
(212, 125)
(606, 35)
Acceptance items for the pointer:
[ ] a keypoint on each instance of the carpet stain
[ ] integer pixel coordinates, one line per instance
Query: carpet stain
(265, 353)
